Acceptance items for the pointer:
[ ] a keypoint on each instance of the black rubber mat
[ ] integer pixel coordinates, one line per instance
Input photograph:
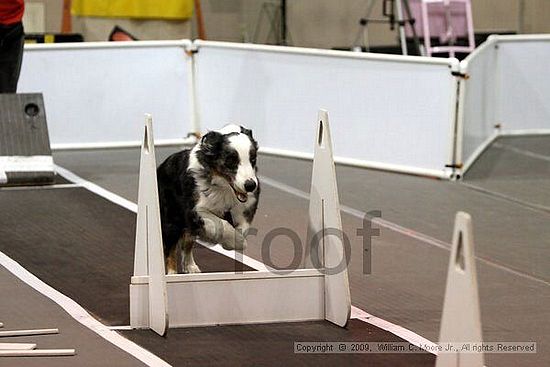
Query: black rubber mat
(272, 345)
(82, 245)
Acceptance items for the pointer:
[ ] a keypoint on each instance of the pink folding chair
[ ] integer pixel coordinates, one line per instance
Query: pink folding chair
(445, 19)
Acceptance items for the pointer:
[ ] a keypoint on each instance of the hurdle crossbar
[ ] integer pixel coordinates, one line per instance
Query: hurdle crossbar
(250, 296)
(10, 333)
(17, 346)
(38, 353)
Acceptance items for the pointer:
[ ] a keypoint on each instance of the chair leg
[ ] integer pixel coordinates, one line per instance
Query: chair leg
(426, 28)
(470, 25)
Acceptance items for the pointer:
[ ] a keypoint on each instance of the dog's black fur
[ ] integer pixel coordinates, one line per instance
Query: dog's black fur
(199, 176)
(177, 198)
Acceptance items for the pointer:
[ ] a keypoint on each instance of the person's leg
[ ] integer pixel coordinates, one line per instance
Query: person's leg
(11, 56)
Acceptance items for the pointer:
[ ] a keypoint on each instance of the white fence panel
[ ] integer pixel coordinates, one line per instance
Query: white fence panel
(478, 101)
(524, 84)
(389, 112)
(96, 93)
(507, 92)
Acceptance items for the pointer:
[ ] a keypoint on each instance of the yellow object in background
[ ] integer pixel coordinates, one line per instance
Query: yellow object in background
(141, 9)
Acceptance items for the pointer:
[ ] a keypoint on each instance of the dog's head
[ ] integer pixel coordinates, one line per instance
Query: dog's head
(230, 153)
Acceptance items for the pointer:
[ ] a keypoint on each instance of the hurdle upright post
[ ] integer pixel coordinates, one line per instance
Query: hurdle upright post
(149, 257)
(325, 236)
(460, 321)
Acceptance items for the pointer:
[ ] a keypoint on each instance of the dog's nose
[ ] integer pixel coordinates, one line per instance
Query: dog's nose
(250, 185)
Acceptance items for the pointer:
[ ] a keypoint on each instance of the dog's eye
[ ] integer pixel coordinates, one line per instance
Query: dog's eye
(253, 160)
(232, 160)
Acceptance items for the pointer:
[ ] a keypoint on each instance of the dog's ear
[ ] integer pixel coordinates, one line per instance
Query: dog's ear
(248, 132)
(211, 143)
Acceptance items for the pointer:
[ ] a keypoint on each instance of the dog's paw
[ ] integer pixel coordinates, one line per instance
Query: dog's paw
(234, 242)
(191, 269)
(241, 245)
(171, 271)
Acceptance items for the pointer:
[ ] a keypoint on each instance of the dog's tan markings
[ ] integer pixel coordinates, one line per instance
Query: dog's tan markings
(172, 261)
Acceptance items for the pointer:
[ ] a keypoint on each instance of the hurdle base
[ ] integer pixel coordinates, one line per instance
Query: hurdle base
(250, 297)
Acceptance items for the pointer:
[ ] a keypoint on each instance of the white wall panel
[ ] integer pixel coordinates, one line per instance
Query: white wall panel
(479, 104)
(97, 93)
(524, 84)
(387, 111)
(507, 92)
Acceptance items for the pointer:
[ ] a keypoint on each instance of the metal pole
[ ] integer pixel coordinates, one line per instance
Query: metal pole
(66, 25)
(200, 20)
(412, 23)
(521, 17)
(283, 23)
(401, 25)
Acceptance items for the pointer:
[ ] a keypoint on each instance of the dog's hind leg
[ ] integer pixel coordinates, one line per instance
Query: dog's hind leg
(188, 262)
(172, 260)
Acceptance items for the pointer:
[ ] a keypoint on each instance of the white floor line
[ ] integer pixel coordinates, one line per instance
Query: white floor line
(119, 200)
(406, 334)
(80, 314)
(247, 260)
(403, 230)
(524, 152)
(401, 332)
(537, 208)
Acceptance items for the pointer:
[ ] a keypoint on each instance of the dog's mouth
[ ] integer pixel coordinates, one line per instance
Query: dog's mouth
(241, 196)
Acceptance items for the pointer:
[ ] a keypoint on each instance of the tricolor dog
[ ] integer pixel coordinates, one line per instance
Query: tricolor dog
(209, 192)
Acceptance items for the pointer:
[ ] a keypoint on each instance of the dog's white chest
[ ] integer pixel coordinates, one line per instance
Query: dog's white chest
(217, 200)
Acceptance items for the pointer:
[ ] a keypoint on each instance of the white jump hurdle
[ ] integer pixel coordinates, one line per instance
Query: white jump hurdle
(251, 296)
(460, 321)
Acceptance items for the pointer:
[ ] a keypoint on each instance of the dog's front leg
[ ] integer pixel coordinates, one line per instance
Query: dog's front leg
(188, 264)
(218, 230)
(241, 224)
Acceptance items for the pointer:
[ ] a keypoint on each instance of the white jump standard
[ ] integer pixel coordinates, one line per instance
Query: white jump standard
(250, 296)
(461, 320)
